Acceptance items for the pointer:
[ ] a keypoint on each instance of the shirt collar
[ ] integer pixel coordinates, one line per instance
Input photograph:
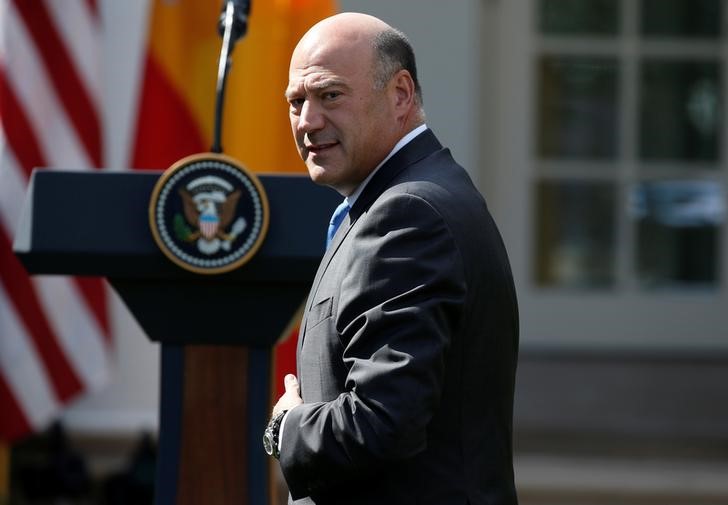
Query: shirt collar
(351, 199)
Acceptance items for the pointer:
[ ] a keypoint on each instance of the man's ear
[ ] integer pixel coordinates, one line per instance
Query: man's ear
(404, 91)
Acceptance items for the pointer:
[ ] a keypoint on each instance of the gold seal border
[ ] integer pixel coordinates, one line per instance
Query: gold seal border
(180, 164)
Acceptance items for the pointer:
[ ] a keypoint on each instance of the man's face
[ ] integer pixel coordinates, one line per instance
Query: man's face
(341, 124)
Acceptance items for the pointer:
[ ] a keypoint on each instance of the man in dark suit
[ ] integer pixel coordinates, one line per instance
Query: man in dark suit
(408, 345)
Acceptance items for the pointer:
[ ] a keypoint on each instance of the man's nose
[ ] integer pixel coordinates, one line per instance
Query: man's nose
(311, 118)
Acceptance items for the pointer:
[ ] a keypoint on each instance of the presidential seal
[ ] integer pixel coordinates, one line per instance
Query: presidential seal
(208, 214)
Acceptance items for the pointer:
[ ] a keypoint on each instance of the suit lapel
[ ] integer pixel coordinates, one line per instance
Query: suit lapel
(330, 251)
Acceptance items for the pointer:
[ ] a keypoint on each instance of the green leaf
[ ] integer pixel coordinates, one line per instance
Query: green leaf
(181, 229)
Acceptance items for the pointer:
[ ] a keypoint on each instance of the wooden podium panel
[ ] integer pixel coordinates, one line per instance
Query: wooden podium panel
(214, 449)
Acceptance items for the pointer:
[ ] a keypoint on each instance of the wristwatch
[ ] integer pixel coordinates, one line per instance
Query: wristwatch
(270, 436)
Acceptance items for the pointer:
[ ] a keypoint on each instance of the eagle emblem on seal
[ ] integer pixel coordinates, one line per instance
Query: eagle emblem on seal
(209, 204)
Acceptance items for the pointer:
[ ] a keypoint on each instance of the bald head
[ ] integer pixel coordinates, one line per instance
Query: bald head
(344, 32)
(384, 49)
(347, 23)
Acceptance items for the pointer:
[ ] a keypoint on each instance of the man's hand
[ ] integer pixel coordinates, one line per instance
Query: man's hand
(291, 398)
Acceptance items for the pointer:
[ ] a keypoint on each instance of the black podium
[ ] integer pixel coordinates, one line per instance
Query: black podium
(216, 332)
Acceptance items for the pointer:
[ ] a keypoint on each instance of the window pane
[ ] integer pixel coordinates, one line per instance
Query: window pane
(687, 18)
(680, 110)
(566, 17)
(678, 229)
(575, 234)
(577, 106)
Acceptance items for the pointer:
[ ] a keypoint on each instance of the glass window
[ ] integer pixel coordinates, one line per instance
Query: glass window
(576, 233)
(680, 104)
(682, 18)
(570, 17)
(621, 147)
(577, 106)
(632, 109)
(678, 225)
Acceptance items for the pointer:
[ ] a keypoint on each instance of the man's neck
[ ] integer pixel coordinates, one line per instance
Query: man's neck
(399, 145)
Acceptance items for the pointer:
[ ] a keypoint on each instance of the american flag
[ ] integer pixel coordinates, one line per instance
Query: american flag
(54, 331)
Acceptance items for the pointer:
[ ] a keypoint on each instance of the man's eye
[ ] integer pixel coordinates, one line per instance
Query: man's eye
(296, 102)
(331, 95)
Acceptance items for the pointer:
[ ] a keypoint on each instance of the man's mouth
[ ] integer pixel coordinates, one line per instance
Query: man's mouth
(322, 147)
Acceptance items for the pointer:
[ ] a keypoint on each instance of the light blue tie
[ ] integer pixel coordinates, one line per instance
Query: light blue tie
(336, 221)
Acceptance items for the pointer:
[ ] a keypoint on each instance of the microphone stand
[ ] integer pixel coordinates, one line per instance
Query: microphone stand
(230, 34)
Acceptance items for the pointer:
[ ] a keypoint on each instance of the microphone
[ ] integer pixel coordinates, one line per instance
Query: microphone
(241, 11)
(232, 25)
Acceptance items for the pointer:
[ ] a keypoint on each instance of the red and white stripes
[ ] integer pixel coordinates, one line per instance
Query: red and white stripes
(54, 331)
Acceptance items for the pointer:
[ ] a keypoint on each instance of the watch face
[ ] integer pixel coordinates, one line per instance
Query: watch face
(268, 443)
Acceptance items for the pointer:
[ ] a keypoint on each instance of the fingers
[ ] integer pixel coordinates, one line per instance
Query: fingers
(291, 398)
(291, 384)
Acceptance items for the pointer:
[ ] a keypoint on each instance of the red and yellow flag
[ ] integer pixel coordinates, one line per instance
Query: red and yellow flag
(177, 98)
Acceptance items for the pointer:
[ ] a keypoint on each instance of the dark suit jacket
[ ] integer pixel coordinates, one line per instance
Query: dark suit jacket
(407, 352)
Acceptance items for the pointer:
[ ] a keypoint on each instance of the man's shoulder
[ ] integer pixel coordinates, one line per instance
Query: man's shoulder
(438, 179)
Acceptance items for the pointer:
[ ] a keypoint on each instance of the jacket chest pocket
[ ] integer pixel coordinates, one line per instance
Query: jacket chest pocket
(318, 313)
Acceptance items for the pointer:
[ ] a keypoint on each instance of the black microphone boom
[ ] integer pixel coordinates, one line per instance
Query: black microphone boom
(232, 26)
(241, 11)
